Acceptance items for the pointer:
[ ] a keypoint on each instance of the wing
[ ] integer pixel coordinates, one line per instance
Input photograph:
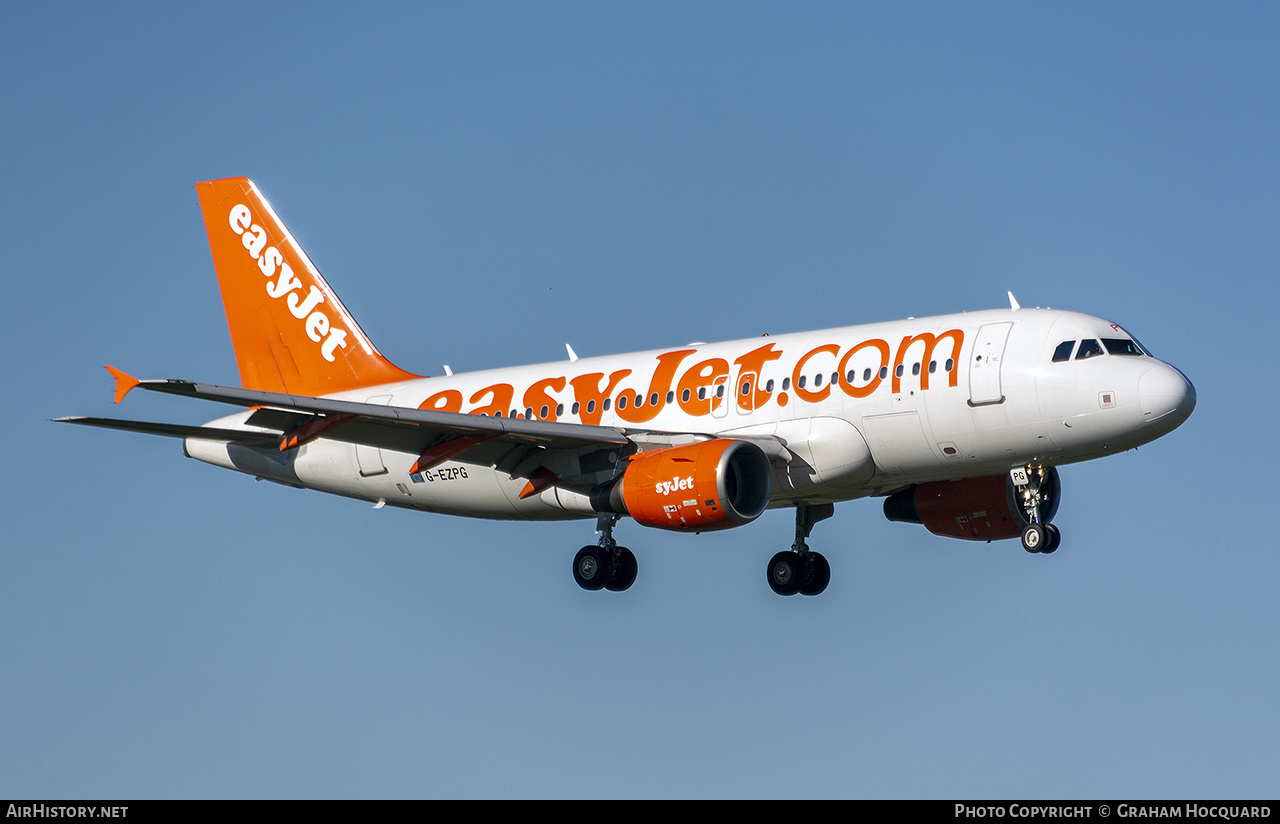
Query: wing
(546, 452)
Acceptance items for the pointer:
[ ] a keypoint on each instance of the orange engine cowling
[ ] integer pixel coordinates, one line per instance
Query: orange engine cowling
(700, 487)
(989, 508)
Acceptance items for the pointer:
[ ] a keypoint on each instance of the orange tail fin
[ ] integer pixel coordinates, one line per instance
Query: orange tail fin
(289, 330)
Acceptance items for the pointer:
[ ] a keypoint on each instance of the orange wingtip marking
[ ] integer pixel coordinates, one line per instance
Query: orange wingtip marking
(123, 382)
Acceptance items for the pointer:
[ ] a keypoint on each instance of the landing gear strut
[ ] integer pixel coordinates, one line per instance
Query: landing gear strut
(799, 569)
(606, 565)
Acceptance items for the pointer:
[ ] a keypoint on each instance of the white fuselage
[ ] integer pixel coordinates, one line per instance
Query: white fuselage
(861, 410)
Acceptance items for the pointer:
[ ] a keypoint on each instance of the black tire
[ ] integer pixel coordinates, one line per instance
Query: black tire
(819, 575)
(623, 574)
(591, 567)
(786, 573)
(1035, 538)
(1052, 539)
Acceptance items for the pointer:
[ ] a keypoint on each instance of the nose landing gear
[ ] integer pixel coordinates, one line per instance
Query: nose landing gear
(1041, 538)
(1037, 491)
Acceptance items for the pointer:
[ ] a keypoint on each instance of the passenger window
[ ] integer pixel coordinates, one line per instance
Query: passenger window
(1089, 349)
(1063, 352)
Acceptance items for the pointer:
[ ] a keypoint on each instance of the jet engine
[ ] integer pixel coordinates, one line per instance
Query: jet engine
(698, 487)
(988, 508)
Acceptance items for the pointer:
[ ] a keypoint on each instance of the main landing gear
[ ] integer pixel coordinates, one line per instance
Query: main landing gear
(606, 565)
(800, 569)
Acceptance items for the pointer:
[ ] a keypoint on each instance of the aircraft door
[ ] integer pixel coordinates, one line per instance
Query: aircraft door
(745, 395)
(721, 398)
(984, 364)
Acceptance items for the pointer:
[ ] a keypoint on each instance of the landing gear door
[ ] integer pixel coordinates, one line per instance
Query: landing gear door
(369, 458)
(984, 364)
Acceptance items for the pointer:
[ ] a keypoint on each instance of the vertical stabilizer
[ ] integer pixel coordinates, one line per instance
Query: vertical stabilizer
(289, 330)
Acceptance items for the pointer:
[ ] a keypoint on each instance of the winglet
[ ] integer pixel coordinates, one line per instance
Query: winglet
(123, 382)
(1013, 302)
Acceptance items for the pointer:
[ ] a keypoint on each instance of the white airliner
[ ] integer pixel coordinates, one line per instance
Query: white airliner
(958, 421)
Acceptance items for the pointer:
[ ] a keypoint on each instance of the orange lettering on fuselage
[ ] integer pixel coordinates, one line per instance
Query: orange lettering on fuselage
(798, 377)
(590, 397)
(703, 375)
(642, 408)
(592, 392)
(448, 400)
(500, 397)
(539, 401)
(930, 341)
(750, 366)
(863, 391)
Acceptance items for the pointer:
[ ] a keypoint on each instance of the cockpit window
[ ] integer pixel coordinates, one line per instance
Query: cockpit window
(1089, 349)
(1121, 346)
(1063, 352)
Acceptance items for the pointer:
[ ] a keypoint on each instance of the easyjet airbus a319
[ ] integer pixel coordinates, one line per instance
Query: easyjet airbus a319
(958, 421)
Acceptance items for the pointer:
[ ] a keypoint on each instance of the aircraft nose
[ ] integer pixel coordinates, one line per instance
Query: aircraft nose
(1166, 396)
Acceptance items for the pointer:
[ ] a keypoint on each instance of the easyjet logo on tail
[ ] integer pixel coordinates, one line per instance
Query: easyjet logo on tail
(283, 283)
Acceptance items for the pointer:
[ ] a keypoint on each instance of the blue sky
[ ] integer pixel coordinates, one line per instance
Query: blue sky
(484, 182)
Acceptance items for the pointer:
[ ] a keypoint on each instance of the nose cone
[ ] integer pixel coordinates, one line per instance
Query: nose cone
(1166, 397)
